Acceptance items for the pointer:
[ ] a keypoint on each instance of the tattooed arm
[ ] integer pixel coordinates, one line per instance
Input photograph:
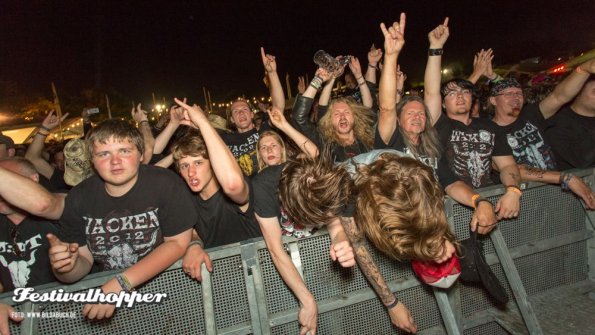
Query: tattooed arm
(575, 184)
(510, 203)
(399, 314)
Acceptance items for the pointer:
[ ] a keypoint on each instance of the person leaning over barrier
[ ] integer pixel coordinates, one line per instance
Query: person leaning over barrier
(132, 217)
(407, 127)
(24, 253)
(222, 195)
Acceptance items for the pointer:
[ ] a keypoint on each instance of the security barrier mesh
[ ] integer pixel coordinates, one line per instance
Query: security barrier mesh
(181, 313)
(546, 213)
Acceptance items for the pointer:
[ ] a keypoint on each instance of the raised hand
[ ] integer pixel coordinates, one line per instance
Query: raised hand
(138, 114)
(374, 55)
(394, 36)
(51, 121)
(192, 114)
(439, 35)
(270, 65)
(323, 74)
(355, 67)
(401, 77)
(63, 256)
(301, 86)
(277, 118)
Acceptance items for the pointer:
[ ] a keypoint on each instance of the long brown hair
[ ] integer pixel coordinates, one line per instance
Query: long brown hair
(313, 191)
(429, 144)
(400, 208)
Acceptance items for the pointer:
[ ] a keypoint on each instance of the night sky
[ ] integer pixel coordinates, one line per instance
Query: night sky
(177, 48)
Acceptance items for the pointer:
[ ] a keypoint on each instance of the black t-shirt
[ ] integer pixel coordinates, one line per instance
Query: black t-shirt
(525, 136)
(119, 231)
(268, 205)
(342, 153)
(30, 267)
(442, 171)
(572, 137)
(221, 221)
(243, 147)
(469, 148)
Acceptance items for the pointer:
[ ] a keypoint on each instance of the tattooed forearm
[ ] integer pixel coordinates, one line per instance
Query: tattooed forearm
(531, 172)
(365, 261)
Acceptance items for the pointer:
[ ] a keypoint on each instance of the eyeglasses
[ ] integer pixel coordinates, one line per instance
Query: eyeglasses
(14, 235)
(511, 94)
(454, 93)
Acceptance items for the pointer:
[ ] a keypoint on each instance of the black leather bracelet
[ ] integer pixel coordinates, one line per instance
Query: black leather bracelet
(393, 304)
(435, 52)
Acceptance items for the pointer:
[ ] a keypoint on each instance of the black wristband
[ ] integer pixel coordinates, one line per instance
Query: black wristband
(393, 304)
(435, 52)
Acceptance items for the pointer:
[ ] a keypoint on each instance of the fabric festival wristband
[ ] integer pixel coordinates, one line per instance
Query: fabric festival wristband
(124, 283)
(515, 189)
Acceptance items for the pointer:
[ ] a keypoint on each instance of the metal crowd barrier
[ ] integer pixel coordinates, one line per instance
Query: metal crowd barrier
(544, 248)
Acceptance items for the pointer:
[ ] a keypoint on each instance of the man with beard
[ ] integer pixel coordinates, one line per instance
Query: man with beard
(524, 127)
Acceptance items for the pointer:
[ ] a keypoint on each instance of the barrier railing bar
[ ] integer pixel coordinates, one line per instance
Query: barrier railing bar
(256, 300)
(208, 303)
(514, 280)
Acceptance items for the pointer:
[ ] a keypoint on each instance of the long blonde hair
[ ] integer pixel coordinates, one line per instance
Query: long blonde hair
(362, 123)
(277, 137)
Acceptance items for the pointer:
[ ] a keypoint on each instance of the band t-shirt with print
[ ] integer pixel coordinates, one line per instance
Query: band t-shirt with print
(30, 264)
(442, 171)
(525, 136)
(243, 148)
(470, 148)
(119, 231)
(268, 205)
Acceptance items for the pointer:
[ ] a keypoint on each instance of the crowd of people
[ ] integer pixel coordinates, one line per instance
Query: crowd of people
(372, 163)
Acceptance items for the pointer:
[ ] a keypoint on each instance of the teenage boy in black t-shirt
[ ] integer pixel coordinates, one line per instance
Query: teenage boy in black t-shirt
(127, 216)
(223, 196)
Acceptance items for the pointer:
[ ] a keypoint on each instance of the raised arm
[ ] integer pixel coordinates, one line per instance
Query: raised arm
(280, 122)
(29, 196)
(481, 60)
(567, 89)
(308, 314)
(398, 312)
(36, 147)
(325, 94)
(140, 117)
(374, 57)
(432, 77)
(176, 115)
(270, 66)
(394, 40)
(356, 69)
(226, 169)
